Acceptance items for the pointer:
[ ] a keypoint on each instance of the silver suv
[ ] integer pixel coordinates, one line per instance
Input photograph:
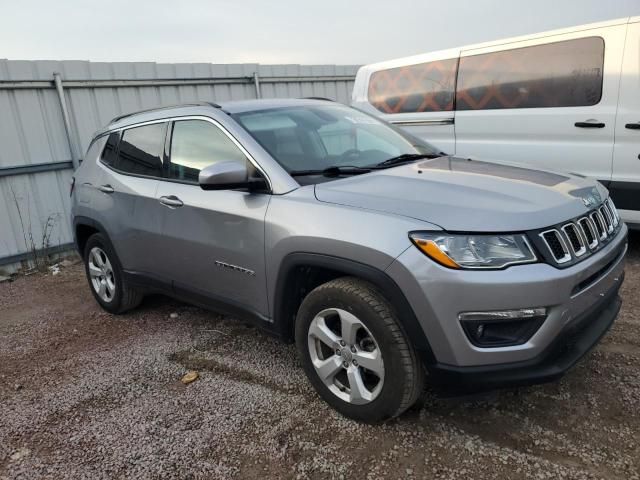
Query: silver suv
(388, 262)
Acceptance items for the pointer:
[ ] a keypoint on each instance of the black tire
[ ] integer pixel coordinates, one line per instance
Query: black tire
(403, 372)
(124, 297)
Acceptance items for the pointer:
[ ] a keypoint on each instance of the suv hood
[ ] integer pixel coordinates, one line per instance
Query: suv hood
(468, 195)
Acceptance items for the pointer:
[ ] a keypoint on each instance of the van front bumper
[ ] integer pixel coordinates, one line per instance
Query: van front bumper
(581, 303)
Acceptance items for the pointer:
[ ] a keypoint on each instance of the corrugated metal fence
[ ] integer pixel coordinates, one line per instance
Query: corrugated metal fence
(40, 141)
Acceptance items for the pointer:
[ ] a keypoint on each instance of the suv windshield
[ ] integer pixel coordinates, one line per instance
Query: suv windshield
(315, 138)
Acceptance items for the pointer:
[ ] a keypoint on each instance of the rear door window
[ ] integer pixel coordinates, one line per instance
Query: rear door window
(110, 151)
(560, 74)
(141, 150)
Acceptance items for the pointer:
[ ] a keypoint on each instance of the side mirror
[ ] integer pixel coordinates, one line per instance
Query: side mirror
(224, 176)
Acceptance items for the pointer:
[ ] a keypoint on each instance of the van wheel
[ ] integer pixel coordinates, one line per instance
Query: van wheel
(105, 277)
(354, 352)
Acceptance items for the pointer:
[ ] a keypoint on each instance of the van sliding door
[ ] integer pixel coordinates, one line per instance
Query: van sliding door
(625, 181)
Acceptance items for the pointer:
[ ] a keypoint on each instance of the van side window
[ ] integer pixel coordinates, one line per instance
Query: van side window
(425, 87)
(109, 152)
(196, 144)
(141, 150)
(560, 74)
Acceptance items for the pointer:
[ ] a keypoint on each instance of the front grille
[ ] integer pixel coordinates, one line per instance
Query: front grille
(568, 243)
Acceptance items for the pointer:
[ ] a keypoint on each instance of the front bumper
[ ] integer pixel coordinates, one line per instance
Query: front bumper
(583, 294)
(574, 341)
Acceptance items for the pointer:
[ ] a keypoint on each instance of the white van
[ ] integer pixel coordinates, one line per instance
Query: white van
(562, 100)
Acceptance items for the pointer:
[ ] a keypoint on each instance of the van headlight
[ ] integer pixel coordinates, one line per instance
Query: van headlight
(462, 251)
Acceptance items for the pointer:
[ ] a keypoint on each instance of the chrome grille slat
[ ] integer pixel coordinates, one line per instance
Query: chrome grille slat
(597, 219)
(575, 239)
(589, 232)
(614, 212)
(607, 218)
(561, 256)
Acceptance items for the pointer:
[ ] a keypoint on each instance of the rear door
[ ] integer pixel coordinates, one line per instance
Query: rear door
(213, 241)
(548, 103)
(126, 203)
(416, 94)
(625, 181)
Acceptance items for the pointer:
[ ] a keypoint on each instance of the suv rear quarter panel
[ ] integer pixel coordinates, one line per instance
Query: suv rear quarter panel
(86, 181)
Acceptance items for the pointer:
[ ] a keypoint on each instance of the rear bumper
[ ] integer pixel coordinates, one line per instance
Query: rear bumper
(574, 341)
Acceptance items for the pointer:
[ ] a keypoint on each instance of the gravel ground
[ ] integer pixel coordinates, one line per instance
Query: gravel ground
(84, 394)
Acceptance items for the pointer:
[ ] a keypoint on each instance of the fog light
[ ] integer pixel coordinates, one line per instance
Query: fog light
(502, 328)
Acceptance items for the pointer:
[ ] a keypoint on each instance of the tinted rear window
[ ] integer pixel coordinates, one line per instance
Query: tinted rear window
(141, 150)
(110, 149)
(561, 74)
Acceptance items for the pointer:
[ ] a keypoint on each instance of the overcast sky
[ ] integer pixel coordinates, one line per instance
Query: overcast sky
(276, 31)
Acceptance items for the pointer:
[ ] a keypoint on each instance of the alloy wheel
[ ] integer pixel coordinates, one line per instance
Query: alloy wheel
(346, 356)
(101, 274)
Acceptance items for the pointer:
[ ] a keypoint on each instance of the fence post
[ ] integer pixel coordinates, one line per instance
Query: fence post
(65, 117)
(256, 82)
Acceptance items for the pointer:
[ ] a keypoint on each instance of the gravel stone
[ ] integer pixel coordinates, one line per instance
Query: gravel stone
(100, 396)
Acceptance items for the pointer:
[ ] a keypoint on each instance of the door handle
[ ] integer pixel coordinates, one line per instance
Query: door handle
(590, 124)
(106, 188)
(633, 126)
(171, 201)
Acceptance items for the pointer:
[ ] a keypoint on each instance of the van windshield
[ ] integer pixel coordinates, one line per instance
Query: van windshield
(311, 138)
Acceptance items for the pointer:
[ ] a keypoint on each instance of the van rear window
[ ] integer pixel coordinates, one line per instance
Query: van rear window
(560, 74)
(425, 87)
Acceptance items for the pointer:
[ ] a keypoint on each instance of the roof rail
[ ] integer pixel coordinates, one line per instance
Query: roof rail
(193, 104)
(318, 98)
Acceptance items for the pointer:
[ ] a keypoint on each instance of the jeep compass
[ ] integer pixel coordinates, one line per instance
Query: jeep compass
(387, 262)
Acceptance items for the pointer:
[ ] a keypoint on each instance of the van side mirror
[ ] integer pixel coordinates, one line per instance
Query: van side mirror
(225, 175)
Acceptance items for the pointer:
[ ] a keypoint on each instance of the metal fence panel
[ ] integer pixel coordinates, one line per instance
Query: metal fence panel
(35, 155)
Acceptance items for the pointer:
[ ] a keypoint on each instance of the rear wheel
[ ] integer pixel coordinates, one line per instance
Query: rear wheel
(354, 352)
(105, 277)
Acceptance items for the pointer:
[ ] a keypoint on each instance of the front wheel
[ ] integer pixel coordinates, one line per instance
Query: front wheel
(355, 353)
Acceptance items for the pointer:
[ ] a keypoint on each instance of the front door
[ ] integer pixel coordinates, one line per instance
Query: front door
(213, 241)
(625, 180)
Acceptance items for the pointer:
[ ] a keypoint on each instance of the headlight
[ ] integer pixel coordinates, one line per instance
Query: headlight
(474, 251)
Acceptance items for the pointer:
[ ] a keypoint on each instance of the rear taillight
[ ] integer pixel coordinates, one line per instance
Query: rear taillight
(73, 186)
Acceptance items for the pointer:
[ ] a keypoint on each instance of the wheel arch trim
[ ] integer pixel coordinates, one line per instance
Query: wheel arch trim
(283, 314)
(89, 222)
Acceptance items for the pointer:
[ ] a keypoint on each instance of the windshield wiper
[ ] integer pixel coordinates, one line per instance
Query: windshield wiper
(407, 157)
(333, 171)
